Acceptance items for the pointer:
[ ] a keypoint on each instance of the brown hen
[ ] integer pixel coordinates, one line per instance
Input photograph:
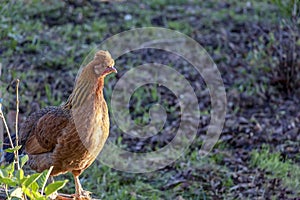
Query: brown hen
(70, 137)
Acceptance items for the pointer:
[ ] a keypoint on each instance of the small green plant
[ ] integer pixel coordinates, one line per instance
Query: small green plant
(54, 100)
(273, 163)
(181, 26)
(288, 8)
(16, 184)
(286, 74)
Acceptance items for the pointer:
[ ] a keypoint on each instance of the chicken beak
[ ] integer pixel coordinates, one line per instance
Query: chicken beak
(109, 70)
(113, 69)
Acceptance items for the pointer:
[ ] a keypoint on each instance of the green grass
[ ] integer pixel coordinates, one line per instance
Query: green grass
(108, 183)
(278, 167)
(181, 26)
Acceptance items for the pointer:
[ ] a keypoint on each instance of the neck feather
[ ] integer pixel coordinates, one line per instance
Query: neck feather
(87, 88)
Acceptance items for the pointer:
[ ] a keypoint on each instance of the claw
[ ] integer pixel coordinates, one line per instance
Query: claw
(84, 195)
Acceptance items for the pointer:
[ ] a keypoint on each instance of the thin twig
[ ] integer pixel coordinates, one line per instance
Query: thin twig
(294, 10)
(6, 190)
(6, 127)
(17, 117)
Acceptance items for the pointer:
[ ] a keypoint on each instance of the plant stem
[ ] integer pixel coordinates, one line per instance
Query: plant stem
(6, 127)
(6, 191)
(17, 117)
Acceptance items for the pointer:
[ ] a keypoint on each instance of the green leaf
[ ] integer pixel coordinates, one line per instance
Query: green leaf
(4, 172)
(34, 186)
(44, 177)
(20, 175)
(53, 187)
(48, 92)
(28, 192)
(10, 168)
(8, 181)
(17, 193)
(41, 198)
(12, 150)
(32, 191)
(23, 160)
(31, 179)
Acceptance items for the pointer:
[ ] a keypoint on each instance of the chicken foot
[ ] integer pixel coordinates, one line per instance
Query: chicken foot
(80, 194)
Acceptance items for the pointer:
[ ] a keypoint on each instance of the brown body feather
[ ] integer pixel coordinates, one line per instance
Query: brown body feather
(70, 137)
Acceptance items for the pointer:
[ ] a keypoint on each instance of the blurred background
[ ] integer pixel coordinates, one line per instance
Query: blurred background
(256, 46)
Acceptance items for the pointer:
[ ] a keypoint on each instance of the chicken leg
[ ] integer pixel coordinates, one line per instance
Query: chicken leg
(80, 194)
